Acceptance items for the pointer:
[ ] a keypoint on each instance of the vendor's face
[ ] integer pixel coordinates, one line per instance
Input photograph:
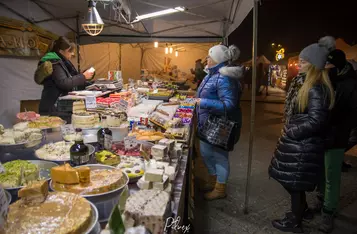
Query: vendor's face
(210, 62)
(303, 65)
(68, 53)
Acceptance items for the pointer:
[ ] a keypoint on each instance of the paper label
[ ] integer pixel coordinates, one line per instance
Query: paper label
(91, 102)
(108, 141)
(155, 91)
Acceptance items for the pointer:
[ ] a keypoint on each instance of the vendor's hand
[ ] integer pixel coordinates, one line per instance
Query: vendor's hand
(198, 101)
(88, 75)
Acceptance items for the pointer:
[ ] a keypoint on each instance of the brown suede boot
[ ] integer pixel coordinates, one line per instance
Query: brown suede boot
(218, 192)
(209, 185)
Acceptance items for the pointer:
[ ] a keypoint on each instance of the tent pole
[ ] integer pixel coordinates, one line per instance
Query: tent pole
(77, 42)
(252, 113)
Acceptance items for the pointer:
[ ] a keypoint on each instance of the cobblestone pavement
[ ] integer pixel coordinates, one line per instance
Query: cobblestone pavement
(268, 200)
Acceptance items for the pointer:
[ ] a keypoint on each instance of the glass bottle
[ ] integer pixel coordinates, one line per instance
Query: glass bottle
(79, 151)
(105, 136)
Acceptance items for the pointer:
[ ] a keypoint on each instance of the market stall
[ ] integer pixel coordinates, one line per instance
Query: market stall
(150, 159)
(199, 22)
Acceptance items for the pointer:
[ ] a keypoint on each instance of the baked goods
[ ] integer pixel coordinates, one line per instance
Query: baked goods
(27, 116)
(85, 120)
(115, 118)
(132, 166)
(45, 122)
(20, 133)
(107, 158)
(58, 151)
(78, 107)
(34, 193)
(60, 213)
(13, 171)
(149, 208)
(176, 133)
(64, 174)
(101, 181)
(147, 135)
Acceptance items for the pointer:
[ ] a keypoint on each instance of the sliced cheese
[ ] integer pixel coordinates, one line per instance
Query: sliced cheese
(161, 185)
(84, 174)
(143, 184)
(64, 174)
(159, 151)
(154, 175)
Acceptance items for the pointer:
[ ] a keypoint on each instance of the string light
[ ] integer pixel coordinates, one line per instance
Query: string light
(176, 53)
(166, 49)
(156, 44)
(171, 50)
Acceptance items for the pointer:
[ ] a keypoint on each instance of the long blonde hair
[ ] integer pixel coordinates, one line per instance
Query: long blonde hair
(313, 77)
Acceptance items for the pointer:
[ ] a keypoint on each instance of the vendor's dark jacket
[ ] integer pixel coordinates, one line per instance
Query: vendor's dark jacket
(58, 77)
(299, 154)
(344, 113)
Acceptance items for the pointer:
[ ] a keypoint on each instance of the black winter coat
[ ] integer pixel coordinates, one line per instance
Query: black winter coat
(298, 157)
(344, 113)
(63, 79)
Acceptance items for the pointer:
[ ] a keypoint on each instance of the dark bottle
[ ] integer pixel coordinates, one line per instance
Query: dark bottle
(105, 138)
(79, 151)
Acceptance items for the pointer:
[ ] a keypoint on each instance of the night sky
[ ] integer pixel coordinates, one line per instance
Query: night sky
(296, 24)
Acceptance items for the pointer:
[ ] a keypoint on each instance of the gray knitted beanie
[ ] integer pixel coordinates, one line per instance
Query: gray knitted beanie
(317, 53)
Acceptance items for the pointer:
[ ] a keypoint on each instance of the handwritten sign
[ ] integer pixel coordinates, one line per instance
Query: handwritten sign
(91, 102)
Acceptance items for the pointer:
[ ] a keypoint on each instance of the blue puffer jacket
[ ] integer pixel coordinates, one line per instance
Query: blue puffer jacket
(220, 85)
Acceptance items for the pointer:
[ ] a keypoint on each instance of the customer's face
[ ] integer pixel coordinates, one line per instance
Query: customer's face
(68, 53)
(303, 65)
(210, 62)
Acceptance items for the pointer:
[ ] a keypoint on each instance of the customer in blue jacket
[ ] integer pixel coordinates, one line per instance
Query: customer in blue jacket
(219, 91)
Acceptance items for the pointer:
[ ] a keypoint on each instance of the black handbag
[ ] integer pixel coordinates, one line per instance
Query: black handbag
(219, 131)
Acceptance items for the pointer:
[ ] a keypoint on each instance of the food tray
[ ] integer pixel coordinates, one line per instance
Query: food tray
(22, 145)
(44, 168)
(104, 202)
(91, 150)
(94, 220)
(160, 98)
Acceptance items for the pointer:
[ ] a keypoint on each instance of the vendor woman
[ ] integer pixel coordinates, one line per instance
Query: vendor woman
(58, 75)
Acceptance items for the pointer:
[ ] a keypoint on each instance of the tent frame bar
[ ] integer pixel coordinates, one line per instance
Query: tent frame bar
(252, 113)
(16, 13)
(189, 25)
(55, 18)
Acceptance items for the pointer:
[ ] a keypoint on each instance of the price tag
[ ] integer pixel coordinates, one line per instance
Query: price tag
(155, 91)
(91, 102)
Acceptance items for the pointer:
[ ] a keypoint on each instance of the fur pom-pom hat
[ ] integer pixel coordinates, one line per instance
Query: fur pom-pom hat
(221, 53)
(317, 53)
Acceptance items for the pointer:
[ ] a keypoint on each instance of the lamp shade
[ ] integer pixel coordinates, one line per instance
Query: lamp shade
(93, 23)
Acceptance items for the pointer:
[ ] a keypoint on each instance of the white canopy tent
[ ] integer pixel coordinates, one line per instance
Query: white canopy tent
(202, 21)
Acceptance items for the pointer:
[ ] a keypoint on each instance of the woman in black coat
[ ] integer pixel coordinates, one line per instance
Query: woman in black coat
(58, 75)
(298, 157)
